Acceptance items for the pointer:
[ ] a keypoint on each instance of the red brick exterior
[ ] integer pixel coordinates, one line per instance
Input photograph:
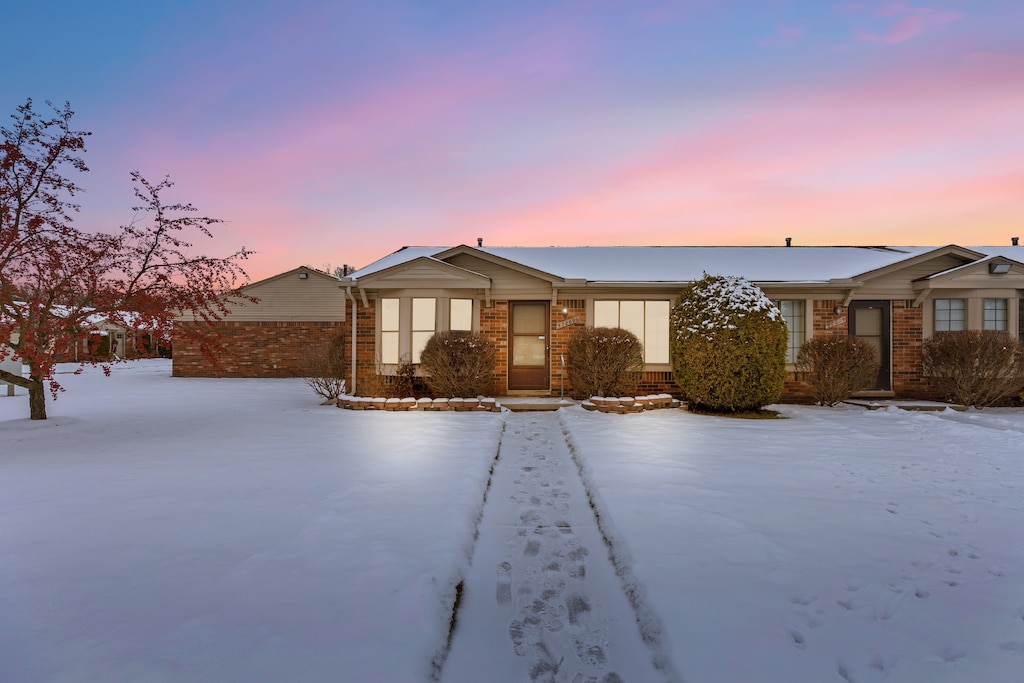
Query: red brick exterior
(650, 382)
(907, 333)
(494, 326)
(908, 380)
(575, 309)
(278, 349)
(258, 349)
(824, 321)
(366, 351)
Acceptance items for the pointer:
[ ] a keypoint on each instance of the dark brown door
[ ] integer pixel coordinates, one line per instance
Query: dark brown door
(528, 354)
(869, 320)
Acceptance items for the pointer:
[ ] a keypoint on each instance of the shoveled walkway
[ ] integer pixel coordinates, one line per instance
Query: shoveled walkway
(541, 601)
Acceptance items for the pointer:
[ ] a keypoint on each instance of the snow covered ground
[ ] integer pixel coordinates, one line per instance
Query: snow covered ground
(836, 544)
(165, 529)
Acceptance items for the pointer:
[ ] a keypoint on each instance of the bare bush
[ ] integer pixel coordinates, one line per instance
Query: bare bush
(837, 366)
(975, 367)
(458, 364)
(400, 383)
(324, 369)
(604, 361)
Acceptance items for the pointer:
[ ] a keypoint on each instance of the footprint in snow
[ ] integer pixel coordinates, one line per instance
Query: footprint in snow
(503, 592)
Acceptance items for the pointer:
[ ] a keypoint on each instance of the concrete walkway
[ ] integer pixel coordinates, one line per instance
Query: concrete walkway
(541, 601)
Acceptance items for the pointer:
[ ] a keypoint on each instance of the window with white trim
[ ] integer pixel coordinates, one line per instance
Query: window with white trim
(424, 324)
(950, 315)
(994, 315)
(460, 314)
(407, 323)
(794, 313)
(390, 316)
(648, 320)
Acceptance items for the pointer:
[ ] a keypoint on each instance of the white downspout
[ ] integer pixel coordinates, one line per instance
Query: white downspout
(354, 346)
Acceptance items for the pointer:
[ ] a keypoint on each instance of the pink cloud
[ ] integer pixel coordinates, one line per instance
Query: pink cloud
(471, 143)
(918, 157)
(906, 22)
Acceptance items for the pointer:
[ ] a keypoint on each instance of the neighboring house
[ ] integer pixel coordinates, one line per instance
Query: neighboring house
(296, 313)
(529, 300)
(107, 338)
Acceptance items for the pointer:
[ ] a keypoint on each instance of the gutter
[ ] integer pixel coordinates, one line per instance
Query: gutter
(354, 346)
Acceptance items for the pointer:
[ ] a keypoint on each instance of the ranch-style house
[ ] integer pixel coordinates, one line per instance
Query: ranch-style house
(529, 300)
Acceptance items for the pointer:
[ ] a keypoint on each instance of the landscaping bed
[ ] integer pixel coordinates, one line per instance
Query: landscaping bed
(630, 404)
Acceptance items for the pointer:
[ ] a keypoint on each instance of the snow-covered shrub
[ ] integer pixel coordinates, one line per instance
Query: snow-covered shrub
(458, 364)
(604, 361)
(324, 369)
(728, 345)
(836, 366)
(974, 367)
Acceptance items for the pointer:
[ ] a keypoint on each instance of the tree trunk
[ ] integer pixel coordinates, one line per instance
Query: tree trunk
(37, 400)
(36, 392)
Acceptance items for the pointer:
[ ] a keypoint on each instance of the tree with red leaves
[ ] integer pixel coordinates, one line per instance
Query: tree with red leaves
(57, 280)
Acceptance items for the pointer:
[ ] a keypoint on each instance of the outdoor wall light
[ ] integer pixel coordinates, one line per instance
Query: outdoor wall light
(303, 276)
(999, 268)
(838, 309)
(565, 310)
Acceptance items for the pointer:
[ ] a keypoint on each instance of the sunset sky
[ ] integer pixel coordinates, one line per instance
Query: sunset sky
(336, 132)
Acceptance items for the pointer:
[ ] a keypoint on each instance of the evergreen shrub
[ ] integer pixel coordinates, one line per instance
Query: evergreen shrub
(976, 368)
(458, 364)
(604, 361)
(728, 345)
(836, 366)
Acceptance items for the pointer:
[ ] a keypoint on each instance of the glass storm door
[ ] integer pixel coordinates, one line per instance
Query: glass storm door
(528, 354)
(869, 320)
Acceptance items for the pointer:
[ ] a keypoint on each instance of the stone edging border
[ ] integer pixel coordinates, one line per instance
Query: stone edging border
(481, 404)
(630, 404)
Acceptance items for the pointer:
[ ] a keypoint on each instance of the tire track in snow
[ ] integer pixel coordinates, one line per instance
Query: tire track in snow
(542, 601)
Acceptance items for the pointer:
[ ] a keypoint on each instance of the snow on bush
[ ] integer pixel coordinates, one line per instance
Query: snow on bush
(728, 345)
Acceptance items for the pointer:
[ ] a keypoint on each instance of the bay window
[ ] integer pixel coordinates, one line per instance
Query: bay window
(407, 323)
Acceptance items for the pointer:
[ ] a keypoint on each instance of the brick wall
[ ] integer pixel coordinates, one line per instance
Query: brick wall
(366, 351)
(907, 325)
(258, 349)
(908, 380)
(575, 309)
(494, 326)
(825, 321)
(260, 346)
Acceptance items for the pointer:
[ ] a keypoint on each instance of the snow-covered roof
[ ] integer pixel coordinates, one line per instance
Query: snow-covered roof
(686, 264)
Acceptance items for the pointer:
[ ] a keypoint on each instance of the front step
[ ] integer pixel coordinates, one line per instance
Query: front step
(534, 403)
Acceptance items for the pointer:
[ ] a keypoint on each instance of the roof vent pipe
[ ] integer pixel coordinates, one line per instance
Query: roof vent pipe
(479, 241)
(789, 241)
(1014, 240)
